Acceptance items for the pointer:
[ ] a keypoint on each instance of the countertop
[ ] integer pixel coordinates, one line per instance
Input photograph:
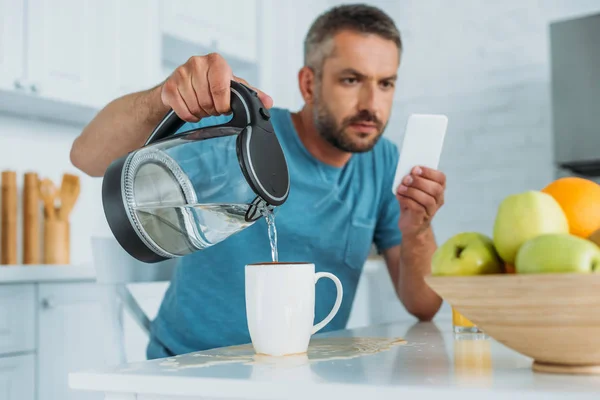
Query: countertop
(11, 274)
(430, 361)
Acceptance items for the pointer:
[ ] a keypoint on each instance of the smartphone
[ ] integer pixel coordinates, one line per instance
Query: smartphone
(422, 144)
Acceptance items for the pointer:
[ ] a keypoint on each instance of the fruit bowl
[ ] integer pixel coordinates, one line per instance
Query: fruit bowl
(553, 318)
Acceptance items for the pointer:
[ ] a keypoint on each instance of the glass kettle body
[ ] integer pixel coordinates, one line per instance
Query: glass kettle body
(184, 192)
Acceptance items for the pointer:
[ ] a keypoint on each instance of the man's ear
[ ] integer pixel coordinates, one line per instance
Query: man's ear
(306, 81)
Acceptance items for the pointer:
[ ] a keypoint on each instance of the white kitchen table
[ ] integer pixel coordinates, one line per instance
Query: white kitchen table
(431, 362)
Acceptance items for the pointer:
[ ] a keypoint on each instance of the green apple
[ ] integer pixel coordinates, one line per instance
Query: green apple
(466, 253)
(523, 216)
(557, 253)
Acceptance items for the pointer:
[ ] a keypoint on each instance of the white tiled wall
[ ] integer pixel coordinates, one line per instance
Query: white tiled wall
(486, 65)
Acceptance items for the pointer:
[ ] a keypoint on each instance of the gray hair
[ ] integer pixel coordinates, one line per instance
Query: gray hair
(362, 18)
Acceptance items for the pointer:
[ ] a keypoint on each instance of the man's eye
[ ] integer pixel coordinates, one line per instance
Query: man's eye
(387, 84)
(349, 81)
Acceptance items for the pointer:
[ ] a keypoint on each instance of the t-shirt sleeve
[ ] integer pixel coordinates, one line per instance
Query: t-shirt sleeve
(387, 234)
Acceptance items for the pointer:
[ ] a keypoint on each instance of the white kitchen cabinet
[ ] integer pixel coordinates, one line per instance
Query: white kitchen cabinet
(71, 332)
(17, 377)
(225, 26)
(62, 58)
(190, 20)
(11, 43)
(238, 33)
(17, 318)
(130, 47)
(65, 59)
(137, 42)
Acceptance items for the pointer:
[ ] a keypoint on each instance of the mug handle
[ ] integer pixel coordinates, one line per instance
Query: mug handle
(338, 300)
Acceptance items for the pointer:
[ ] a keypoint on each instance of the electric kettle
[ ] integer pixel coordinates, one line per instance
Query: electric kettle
(185, 191)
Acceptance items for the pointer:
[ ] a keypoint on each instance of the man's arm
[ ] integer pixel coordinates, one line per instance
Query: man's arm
(120, 127)
(407, 265)
(197, 89)
(417, 200)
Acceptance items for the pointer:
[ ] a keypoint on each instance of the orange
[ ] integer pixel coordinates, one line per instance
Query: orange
(580, 200)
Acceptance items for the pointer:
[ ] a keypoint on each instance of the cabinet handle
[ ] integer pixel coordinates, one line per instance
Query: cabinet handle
(47, 304)
(18, 84)
(50, 303)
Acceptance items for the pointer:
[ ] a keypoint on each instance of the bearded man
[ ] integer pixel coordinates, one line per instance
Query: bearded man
(341, 169)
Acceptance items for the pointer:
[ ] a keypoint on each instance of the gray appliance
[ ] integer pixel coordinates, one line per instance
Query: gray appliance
(575, 90)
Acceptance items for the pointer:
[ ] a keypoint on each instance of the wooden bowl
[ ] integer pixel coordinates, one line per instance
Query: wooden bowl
(552, 318)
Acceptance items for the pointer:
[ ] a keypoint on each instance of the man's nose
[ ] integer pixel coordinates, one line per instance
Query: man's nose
(368, 98)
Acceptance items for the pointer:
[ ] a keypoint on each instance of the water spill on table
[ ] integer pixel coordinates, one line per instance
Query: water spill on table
(320, 349)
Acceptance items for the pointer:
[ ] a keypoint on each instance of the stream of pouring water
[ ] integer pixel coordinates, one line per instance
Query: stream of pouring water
(270, 217)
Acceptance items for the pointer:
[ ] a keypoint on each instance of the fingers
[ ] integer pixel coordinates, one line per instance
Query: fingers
(431, 174)
(424, 187)
(202, 87)
(188, 95)
(432, 188)
(264, 98)
(219, 83)
(208, 72)
(425, 200)
(171, 97)
(406, 203)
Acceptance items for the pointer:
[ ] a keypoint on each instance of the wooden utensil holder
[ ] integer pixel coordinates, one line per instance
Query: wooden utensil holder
(31, 219)
(56, 242)
(8, 248)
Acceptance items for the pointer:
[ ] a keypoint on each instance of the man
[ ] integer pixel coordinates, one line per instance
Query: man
(341, 172)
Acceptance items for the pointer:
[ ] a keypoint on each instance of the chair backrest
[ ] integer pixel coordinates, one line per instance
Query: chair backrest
(115, 269)
(115, 266)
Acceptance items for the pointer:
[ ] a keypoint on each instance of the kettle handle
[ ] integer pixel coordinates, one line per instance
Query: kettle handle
(245, 106)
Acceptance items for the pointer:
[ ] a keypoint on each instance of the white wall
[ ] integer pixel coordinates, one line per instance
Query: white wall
(486, 65)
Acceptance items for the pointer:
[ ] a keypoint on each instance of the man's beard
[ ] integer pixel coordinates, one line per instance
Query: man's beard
(337, 135)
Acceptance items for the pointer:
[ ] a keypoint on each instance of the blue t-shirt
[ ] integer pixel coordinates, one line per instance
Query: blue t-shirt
(331, 218)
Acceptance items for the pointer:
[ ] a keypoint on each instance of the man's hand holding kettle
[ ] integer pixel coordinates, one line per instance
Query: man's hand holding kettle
(202, 87)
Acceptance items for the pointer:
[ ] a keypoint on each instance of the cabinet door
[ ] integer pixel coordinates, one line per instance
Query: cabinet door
(129, 50)
(71, 332)
(62, 62)
(193, 21)
(17, 378)
(237, 30)
(137, 45)
(17, 318)
(11, 43)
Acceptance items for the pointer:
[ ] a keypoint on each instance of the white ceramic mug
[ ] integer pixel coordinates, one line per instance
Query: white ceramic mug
(280, 306)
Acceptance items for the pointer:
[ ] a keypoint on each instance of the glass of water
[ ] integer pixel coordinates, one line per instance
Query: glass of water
(463, 325)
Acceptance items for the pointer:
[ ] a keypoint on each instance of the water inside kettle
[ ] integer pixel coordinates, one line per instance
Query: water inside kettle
(181, 230)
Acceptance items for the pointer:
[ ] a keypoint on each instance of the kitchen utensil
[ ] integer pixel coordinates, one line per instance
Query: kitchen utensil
(56, 242)
(552, 318)
(69, 192)
(48, 194)
(182, 193)
(31, 219)
(8, 254)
